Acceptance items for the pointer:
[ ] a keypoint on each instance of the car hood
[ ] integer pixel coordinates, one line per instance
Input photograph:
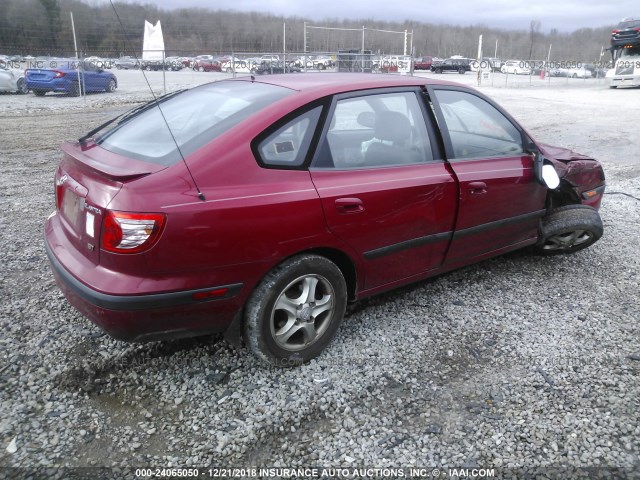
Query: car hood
(562, 154)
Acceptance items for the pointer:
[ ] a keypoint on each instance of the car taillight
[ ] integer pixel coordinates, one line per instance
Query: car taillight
(615, 31)
(124, 232)
(59, 74)
(60, 191)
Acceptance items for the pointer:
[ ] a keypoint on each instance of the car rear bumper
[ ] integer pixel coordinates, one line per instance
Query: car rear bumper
(52, 85)
(626, 41)
(147, 317)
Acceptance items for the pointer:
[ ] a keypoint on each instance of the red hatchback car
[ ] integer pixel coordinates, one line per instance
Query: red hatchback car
(261, 208)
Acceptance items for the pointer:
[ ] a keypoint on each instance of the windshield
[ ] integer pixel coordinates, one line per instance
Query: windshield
(193, 118)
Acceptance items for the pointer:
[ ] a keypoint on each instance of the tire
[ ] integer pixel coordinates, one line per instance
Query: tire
(148, 68)
(462, 71)
(613, 86)
(569, 229)
(111, 86)
(229, 70)
(201, 69)
(75, 90)
(22, 86)
(575, 75)
(437, 70)
(307, 323)
(322, 66)
(119, 67)
(39, 93)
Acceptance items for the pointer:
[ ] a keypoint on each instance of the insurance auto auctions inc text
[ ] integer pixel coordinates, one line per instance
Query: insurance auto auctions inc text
(294, 473)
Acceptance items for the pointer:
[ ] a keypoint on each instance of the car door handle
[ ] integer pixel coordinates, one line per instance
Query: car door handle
(477, 188)
(349, 205)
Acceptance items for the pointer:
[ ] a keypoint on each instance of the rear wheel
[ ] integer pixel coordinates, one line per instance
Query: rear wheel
(111, 86)
(438, 70)
(569, 229)
(75, 90)
(201, 69)
(461, 71)
(295, 311)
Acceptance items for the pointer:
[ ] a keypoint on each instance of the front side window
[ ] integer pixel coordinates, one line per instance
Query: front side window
(476, 128)
(374, 131)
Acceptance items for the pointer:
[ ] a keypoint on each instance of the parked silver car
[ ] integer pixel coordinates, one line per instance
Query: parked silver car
(127, 63)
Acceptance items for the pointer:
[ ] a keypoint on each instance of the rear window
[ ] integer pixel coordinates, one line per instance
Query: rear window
(195, 117)
(631, 23)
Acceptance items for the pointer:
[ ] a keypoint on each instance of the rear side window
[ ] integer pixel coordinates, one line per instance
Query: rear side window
(377, 130)
(288, 146)
(195, 118)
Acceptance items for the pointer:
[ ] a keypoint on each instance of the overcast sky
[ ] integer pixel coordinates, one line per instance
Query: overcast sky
(564, 15)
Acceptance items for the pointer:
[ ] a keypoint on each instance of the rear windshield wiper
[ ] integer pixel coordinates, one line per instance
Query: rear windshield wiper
(129, 113)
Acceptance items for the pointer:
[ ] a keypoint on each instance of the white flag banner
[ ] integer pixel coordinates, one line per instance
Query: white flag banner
(153, 45)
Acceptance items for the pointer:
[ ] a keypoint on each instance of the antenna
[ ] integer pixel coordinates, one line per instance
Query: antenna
(155, 99)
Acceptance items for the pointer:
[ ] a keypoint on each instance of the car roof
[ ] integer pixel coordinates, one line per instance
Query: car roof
(332, 83)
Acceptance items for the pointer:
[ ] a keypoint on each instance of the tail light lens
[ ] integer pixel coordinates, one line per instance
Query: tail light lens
(124, 232)
(59, 74)
(615, 31)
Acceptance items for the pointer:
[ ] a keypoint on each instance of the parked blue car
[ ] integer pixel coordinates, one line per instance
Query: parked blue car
(66, 79)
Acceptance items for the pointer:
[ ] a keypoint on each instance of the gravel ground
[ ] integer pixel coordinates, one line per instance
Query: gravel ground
(519, 361)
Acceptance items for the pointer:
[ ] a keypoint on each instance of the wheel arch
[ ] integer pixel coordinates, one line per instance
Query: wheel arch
(233, 333)
(561, 196)
(344, 263)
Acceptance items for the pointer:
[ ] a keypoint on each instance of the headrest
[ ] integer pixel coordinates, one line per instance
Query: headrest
(392, 126)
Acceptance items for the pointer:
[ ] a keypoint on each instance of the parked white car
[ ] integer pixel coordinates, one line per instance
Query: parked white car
(516, 67)
(581, 72)
(12, 79)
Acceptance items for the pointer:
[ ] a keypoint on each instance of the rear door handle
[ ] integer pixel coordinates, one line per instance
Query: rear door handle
(477, 188)
(349, 205)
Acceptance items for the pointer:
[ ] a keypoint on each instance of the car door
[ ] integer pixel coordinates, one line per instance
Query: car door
(384, 189)
(500, 200)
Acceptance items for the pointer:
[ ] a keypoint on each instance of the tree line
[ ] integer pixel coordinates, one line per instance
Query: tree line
(43, 27)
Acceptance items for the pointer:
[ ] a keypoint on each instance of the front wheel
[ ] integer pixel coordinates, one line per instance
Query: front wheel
(461, 71)
(569, 229)
(295, 311)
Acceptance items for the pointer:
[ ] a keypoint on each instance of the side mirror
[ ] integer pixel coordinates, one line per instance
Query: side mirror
(550, 176)
(545, 172)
